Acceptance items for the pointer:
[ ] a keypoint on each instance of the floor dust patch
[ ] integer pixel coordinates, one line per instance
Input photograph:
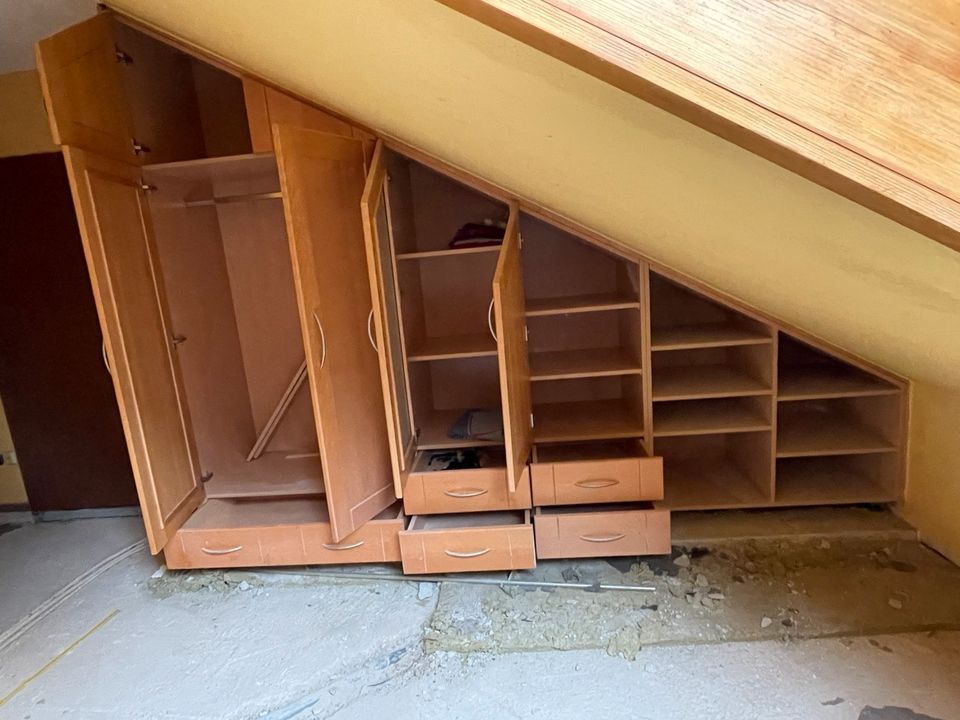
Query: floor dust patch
(749, 590)
(892, 713)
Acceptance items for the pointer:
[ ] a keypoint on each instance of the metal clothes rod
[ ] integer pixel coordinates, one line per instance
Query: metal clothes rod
(225, 199)
(591, 587)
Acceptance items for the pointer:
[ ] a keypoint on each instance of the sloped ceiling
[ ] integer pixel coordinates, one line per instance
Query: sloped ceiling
(436, 79)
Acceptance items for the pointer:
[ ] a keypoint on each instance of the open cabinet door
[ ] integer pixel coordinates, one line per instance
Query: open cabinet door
(138, 346)
(385, 315)
(322, 177)
(83, 90)
(509, 306)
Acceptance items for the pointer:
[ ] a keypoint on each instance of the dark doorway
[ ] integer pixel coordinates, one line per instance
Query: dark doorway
(58, 396)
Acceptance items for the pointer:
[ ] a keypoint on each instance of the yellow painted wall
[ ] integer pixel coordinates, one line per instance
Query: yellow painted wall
(488, 103)
(23, 122)
(23, 131)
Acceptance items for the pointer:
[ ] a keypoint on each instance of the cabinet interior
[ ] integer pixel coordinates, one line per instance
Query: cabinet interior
(224, 261)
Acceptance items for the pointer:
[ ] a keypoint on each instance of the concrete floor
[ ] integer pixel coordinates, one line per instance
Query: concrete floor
(202, 646)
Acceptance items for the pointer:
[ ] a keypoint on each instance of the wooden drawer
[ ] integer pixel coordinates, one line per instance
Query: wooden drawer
(259, 533)
(601, 531)
(585, 473)
(470, 490)
(468, 543)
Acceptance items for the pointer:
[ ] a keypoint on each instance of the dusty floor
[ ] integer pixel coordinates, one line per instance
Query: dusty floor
(864, 626)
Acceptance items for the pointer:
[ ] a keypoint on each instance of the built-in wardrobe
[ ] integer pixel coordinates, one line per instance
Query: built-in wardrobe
(333, 348)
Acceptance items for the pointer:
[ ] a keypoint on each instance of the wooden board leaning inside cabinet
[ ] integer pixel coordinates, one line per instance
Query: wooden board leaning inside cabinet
(302, 329)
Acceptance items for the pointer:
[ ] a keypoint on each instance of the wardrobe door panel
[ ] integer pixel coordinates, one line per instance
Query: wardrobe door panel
(138, 346)
(386, 321)
(83, 89)
(509, 310)
(322, 177)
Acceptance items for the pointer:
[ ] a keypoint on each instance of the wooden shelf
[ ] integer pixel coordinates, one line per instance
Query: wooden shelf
(706, 417)
(825, 481)
(816, 433)
(453, 347)
(581, 304)
(689, 337)
(717, 485)
(821, 382)
(435, 432)
(594, 420)
(273, 474)
(448, 252)
(569, 364)
(693, 382)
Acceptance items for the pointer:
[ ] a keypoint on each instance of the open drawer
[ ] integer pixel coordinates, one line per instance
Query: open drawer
(595, 472)
(430, 488)
(468, 543)
(601, 531)
(226, 533)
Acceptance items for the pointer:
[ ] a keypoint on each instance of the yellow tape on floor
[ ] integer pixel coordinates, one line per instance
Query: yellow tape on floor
(55, 659)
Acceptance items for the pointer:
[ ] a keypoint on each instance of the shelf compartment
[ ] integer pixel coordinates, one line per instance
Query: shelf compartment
(708, 335)
(704, 417)
(588, 420)
(449, 252)
(836, 480)
(452, 347)
(829, 380)
(435, 431)
(693, 382)
(273, 474)
(571, 364)
(714, 472)
(850, 426)
(569, 305)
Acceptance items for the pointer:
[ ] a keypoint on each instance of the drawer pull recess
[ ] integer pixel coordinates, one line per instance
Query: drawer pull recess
(224, 551)
(351, 546)
(602, 538)
(467, 555)
(465, 493)
(597, 483)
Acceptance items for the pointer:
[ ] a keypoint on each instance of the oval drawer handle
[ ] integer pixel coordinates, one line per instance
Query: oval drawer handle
(328, 546)
(597, 483)
(224, 551)
(602, 538)
(465, 493)
(466, 555)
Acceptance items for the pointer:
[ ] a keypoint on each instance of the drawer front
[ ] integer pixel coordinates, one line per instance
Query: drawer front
(456, 491)
(597, 481)
(602, 534)
(308, 544)
(468, 549)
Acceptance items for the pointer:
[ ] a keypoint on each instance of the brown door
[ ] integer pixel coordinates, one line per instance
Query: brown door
(138, 348)
(385, 320)
(509, 310)
(83, 89)
(322, 177)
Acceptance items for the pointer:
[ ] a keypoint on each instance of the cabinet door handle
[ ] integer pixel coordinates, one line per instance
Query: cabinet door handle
(466, 555)
(357, 544)
(224, 551)
(602, 538)
(373, 343)
(465, 493)
(493, 332)
(597, 483)
(323, 341)
(106, 360)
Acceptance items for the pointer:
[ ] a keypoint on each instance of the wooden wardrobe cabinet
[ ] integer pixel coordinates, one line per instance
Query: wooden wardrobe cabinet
(333, 348)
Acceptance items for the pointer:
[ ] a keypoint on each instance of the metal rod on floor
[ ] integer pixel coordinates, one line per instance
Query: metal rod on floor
(592, 587)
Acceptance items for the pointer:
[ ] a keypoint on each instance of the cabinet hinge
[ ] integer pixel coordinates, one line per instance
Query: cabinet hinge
(122, 57)
(520, 239)
(205, 477)
(147, 187)
(526, 333)
(531, 420)
(138, 148)
(177, 339)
